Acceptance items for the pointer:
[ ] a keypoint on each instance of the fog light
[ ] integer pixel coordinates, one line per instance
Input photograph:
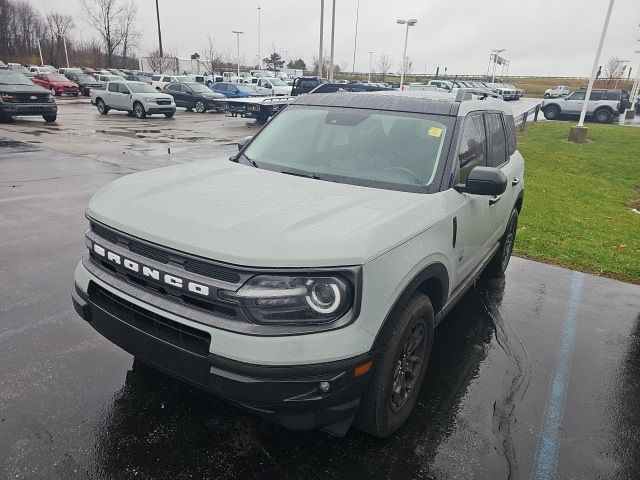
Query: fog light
(325, 387)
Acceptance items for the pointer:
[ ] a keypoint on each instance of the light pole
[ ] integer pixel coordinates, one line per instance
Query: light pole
(333, 38)
(320, 54)
(40, 51)
(64, 42)
(409, 23)
(238, 33)
(355, 40)
(631, 112)
(159, 32)
(370, 60)
(259, 35)
(495, 52)
(578, 134)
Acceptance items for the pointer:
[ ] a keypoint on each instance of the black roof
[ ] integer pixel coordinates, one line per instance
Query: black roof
(413, 102)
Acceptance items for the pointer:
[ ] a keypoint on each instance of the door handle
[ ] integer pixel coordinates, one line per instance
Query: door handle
(494, 200)
(515, 182)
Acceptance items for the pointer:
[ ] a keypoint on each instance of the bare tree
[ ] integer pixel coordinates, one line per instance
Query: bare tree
(325, 65)
(129, 35)
(59, 26)
(384, 63)
(613, 70)
(106, 17)
(213, 57)
(161, 64)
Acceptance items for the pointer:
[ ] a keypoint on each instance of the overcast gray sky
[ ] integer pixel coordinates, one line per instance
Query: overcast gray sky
(541, 37)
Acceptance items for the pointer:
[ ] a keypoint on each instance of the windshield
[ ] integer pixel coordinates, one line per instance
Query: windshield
(86, 78)
(247, 88)
(13, 78)
(139, 87)
(355, 146)
(277, 82)
(183, 78)
(199, 88)
(56, 77)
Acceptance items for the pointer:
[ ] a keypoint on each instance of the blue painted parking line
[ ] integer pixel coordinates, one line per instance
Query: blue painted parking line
(548, 443)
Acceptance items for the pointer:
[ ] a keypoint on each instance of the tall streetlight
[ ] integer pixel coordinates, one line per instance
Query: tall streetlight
(578, 134)
(66, 54)
(409, 23)
(320, 53)
(631, 112)
(238, 33)
(370, 60)
(159, 31)
(495, 53)
(259, 35)
(333, 38)
(355, 39)
(40, 51)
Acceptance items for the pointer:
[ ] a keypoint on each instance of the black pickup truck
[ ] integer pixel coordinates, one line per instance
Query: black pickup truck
(20, 96)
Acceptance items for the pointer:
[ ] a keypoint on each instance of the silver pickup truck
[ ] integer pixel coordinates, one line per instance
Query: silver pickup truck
(603, 106)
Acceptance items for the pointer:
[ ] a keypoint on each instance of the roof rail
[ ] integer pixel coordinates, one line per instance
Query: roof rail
(467, 94)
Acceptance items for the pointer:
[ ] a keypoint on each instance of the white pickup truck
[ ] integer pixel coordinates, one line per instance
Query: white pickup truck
(274, 86)
(138, 98)
(555, 92)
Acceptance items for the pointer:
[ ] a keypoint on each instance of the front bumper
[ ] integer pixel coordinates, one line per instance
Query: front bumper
(290, 395)
(28, 108)
(160, 108)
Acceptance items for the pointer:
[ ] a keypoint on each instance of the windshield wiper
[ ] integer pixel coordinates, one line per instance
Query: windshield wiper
(305, 175)
(250, 160)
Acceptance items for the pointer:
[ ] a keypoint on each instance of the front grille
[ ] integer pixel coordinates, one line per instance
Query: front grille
(26, 98)
(189, 264)
(164, 102)
(182, 336)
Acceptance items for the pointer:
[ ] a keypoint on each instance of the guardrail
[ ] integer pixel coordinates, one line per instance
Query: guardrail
(521, 120)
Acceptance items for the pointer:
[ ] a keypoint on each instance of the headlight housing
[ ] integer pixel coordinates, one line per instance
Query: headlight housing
(51, 99)
(6, 97)
(150, 100)
(294, 299)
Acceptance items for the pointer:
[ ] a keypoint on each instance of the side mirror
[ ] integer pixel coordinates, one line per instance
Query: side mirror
(484, 181)
(243, 142)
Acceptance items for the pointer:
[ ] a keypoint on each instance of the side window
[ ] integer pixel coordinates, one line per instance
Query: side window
(510, 127)
(173, 87)
(221, 87)
(183, 88)
(472, 146)
(124, 89)
(155, 78)
(497, 140)
(595, 96)
(113, 87)
(578, 96)
(612, 96)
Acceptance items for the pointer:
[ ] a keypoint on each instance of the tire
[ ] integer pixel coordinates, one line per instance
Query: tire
(50, 118)
(199, 106)
(138, 110)
(602, 115)
(546, 95)
(102, 107)
(552, 112)
(498, 264)
(169, 115)
(392, 393)
(75, 94)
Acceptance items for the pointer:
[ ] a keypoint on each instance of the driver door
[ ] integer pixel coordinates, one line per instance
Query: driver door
(573, 103)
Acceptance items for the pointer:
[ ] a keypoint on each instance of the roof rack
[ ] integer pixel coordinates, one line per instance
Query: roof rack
(467, 94)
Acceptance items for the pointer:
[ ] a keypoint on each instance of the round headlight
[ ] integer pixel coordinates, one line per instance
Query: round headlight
(324, 296)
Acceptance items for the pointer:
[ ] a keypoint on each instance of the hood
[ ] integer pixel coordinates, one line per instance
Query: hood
(242, 215)
(23, 89)
(164, 96)
(211, 95)
(63, 83)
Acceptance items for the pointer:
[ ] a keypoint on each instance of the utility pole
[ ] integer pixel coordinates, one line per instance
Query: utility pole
(40, 51)
(238, 33)
(333, 37)
(320, 54)
(66, 54)
(259, 35)
(355, 41)
(370, 60)
(159, 31)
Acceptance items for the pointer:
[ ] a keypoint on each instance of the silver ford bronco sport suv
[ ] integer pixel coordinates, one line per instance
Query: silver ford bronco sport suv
(304, 278)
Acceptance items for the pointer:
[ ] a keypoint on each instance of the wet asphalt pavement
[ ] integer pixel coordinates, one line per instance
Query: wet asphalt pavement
(536, 375)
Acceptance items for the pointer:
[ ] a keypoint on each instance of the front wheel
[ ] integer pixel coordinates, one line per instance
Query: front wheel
(498, 264)
(138, 110)
(169, 114)
(199, 106)
(50, 118)
(399, 370)
(551, 113)
(546, 95)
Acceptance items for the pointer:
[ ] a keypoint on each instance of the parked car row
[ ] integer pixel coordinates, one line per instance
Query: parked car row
(505, 90)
